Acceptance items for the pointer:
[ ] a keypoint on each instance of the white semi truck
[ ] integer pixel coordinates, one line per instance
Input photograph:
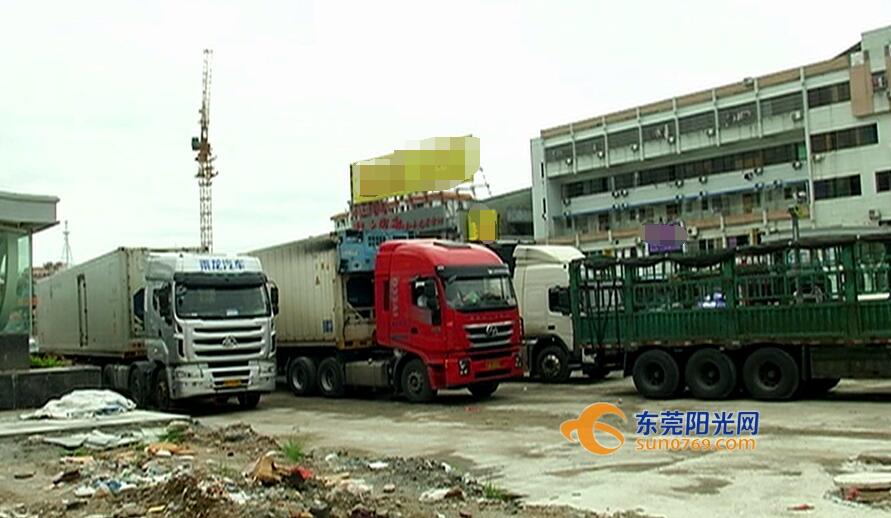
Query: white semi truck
(165, 325)
(551, 348)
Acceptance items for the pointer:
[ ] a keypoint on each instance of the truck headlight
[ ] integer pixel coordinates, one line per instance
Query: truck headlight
(464, 367)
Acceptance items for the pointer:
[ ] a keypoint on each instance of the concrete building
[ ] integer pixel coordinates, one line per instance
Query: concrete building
(21, 215)
(727, 162)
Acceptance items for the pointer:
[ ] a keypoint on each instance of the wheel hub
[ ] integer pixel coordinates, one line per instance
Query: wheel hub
(550, 365)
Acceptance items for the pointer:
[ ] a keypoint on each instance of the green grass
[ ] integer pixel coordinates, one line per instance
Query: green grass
(293, 450)
(45, 361)
(175, 436)
(492, 492)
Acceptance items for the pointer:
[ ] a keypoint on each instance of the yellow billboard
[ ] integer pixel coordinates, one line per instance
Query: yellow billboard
(434, 164)
(482, 225)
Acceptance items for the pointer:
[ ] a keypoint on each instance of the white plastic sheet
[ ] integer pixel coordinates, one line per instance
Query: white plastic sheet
(83, 404)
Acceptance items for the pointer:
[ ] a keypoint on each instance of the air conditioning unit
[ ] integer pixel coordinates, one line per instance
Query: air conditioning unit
(601, 154)
(703, 179)
(615, 194)
(748, 175)
(671, 139)
(624, 206)
(679, 183)
(567, 201)
(875, 214)
(635, 147)
(624, 192)
(797, 115)
(615, 206)
(777, 183)
(796, 164)
(818, 157)
(679, 197)
(759, 186)
(569, 161)
(759, 170)
(692, 231)
(703, 194)
(566, 214)
(710, 132)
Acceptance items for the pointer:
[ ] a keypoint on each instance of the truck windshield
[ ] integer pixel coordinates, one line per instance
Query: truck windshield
(221, 301)
(480, 293)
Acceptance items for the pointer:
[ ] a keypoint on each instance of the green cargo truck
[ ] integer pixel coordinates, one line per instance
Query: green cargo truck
(776, 320)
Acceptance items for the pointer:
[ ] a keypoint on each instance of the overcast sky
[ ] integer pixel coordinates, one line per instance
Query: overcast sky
(99, 100)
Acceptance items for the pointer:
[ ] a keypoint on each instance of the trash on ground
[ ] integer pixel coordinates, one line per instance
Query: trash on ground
(83, 404)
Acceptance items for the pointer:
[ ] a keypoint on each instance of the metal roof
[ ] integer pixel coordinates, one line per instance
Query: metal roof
(28, 212)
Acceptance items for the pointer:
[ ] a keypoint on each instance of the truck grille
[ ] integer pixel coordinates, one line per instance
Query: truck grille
(490, 335)
(231, 376)
(222, 343)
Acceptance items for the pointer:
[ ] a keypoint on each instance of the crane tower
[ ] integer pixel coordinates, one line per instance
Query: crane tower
(205, 158)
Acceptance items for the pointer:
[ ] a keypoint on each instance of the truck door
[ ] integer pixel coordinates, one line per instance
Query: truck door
(424, 314)
(560, 315)
(82, 321)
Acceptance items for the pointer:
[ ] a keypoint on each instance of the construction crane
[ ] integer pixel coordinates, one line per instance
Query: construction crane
(205, 158)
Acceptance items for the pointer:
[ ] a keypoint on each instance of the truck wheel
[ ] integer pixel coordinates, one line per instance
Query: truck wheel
(656, 374)
(302, 376)
(552, 364)
(136, 387)
(771, 373)
(819, 386)
(710, 374)
(331, 382)
(484, 389)
(248, 401)
(162, 390)
(416, 382)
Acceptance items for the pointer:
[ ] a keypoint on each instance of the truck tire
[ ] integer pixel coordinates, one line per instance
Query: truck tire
(656, 375)
(819, 386)
(552, 364)
(710, 374)
(302, 378)
(161, 392)
(136, 387)
(484, 389)
(415, 382)
(771, 373)
(249, 401)
(331, 378)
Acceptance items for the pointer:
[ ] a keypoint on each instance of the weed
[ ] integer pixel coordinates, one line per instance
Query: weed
(293, 450)
(45, 361)
(493, 492)
(174, 435)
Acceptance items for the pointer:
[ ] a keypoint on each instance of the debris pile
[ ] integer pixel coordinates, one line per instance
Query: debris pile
(186, 469)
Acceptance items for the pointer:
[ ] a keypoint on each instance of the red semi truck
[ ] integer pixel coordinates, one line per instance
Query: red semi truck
(414, 316)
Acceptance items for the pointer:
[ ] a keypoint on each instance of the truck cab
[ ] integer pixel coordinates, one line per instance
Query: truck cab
(209, 328)
(450, 313)
(541, 279)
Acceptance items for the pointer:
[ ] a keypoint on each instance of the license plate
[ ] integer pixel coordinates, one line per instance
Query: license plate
(232, 383)
(493, 365)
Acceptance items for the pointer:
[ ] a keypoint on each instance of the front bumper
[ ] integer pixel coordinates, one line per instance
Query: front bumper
(458, 372)
(201, 379)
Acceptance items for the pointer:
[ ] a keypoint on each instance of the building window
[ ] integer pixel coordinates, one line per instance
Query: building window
(704, 204)
(781, 104)
(699, 122)
(826, 95)
(558, 153)
(603, 222)
(739, 115)
(840, 187)
(658, 131)
(883, 181)
(844, 139)
(623, 181)
(589, 146)
(623, 138)
(879, 81)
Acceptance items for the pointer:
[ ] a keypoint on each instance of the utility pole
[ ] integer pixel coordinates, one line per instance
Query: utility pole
(205, 158)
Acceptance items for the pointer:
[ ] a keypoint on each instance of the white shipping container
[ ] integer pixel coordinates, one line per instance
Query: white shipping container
(87, 310)
(312, 304)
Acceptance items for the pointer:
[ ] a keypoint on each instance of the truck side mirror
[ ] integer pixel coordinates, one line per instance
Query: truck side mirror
(273, 297)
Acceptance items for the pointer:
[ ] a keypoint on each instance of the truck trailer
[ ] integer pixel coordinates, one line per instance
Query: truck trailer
(774, 321)
(553, 349)
(165, 325)
(360, 309)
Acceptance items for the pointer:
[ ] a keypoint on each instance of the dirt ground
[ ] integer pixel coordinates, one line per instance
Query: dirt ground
(500, 457)
(514, 441)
